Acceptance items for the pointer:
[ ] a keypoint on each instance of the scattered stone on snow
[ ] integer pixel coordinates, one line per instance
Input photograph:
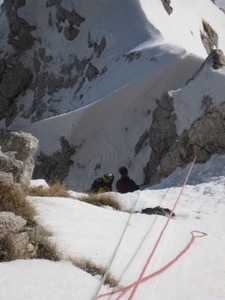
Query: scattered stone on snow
(158, 211)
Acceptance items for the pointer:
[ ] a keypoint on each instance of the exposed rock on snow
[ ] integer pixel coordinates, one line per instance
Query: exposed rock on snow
(92, 72)
(216, 59)
(157, 211)
(209, 37)
(20, 36)
(63, 15)
(98, 49)
(168, 8)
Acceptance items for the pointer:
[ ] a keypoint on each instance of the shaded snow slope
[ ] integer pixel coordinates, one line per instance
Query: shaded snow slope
(106, 132)
(220, 4)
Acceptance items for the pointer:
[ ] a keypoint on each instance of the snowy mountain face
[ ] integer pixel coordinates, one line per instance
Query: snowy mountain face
(109, 83)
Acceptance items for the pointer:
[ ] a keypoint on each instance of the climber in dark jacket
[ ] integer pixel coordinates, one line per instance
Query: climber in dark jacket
(125, 184)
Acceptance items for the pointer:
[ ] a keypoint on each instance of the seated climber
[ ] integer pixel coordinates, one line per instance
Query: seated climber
(103, 184)
(125, 184)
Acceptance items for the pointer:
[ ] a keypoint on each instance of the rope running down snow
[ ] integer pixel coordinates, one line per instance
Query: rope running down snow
(161, 234)
(117, 247)
(142, 279)
(123, 290)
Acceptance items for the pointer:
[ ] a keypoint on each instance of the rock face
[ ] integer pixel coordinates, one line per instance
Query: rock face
(9, 222)
(16, 155)
(26, 66)
(57, 165)
(20, 236)
(20, 31)
(161, 135)
(204, 138)
(13, 80)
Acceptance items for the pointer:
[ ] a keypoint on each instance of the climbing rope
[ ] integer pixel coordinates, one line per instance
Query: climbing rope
(194, 234)
(140, 280)
(117, 247)
(161, 234)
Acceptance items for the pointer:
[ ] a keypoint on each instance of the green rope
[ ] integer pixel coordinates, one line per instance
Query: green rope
(116, 249)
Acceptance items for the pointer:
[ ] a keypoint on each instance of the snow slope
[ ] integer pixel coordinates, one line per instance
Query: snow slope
(115, 110)
(183, 26)
(84, 231)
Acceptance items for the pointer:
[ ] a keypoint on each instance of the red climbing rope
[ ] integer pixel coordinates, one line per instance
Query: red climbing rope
(195, 234)
(142, 279)
(161, 234)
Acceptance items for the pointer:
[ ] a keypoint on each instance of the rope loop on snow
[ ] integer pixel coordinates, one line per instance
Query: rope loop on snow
(194, 235)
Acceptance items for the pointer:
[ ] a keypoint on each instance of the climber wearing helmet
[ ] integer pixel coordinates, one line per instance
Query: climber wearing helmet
(106, 185)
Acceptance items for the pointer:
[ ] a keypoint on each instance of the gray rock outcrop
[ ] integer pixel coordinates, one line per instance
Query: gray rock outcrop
(11, 167)
(13, 231)
(26, 63)
(204, 138)
(19, 36)
(9, 222)
(18, 239)
(13, 80)
(216, 59)
(16, 155)
(162, 134)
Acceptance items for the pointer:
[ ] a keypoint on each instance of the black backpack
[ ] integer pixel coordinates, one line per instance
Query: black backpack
(97, 183)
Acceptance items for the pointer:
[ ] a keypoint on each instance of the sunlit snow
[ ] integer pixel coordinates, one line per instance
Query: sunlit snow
(122, 101)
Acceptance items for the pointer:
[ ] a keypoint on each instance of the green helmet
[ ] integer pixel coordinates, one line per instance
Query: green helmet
(109, 177)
